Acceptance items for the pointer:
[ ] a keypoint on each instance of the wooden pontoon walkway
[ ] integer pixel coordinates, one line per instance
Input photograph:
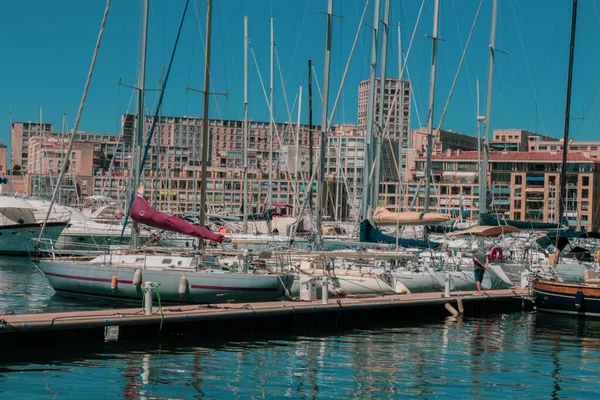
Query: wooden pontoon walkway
(131, 323)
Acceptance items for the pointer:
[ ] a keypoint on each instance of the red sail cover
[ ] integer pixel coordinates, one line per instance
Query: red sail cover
(142, 212)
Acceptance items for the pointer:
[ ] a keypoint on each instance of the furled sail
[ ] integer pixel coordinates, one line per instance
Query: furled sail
(142, 212)
(382, 216)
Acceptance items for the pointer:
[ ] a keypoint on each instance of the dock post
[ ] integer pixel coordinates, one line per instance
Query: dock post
(447, 284)
(147, 288)
(459, 303)
(325, 290)
(451, 310)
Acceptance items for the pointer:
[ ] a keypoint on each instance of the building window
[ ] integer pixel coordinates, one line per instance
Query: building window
(585, 181)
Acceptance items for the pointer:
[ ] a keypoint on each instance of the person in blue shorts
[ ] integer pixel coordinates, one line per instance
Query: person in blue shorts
(480, 261)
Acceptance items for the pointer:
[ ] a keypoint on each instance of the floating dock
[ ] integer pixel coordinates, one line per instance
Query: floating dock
(135, 324)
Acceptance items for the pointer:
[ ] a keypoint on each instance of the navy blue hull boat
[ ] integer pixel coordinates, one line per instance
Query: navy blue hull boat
(581, 299)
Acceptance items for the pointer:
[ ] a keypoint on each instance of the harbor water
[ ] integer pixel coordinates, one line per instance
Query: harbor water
(520, 355)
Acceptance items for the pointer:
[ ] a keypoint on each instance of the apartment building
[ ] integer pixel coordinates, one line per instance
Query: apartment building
(443, 140)
(517, 140)
(524, 185)
(396, 107)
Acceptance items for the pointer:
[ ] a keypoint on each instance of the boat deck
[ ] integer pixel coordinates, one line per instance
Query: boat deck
(133, 323)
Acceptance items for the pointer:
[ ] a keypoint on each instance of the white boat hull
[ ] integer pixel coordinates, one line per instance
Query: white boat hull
(205, 286)
(20, 240)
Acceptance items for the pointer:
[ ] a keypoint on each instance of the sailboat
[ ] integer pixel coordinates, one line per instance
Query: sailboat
(179, 279)
(581, 299)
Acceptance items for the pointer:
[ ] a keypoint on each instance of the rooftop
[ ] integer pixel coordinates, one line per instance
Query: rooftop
(516, 156)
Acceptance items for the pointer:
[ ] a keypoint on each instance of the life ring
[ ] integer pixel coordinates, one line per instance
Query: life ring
(119, 215)
(496, 252)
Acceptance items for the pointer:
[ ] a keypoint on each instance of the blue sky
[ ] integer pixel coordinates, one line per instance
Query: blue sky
(47, 47)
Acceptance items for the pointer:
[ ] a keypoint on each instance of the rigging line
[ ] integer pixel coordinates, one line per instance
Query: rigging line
(109, 177)
(223, 47)
(317, 82)
(287, 104)
(187, 92)
(212, 86)
(414, 99)
(88, 81)
(467, 65)
(462, 59)
(537, 103)
(287, 78)
(415, 87)
(294, 180)
(587, 106)
(385, 126)
(155, 118)
(362, 46)
(345, 74)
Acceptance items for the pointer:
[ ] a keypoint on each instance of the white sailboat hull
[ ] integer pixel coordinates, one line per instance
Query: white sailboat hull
(206, 286)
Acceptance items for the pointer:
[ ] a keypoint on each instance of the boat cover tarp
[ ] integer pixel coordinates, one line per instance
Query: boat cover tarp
(383, 216)
(370, 234)
(441, 228)
(563, 237)
(490, 220)
(486, 231)
(142, 212)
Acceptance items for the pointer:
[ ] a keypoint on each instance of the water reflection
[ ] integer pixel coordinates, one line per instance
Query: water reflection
(518, 355)
(24, 289)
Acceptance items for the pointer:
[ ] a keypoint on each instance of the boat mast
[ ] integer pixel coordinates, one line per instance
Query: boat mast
(297, 158)
(379, 137)
(245, 200)
(400, 138)
(563, 170)
(434, 45)
(488, 112)
(270, 188)
(324, 127)
(62, 147)
(205, 121)
(370, 110)
(311, 149)
(139, 132)
(482, 174)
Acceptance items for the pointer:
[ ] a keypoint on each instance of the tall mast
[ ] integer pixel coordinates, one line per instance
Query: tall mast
(398, 102)
(311, 149)
(482, 173)
(139, 132)
(270, 188)
(62, 146)
(370, 110)
(379, 137)
(563, 170)
(205, 116)
(434, 45)
(324, 112)
(297, 158)
(488, 111)
(41, 152)
(246, 203)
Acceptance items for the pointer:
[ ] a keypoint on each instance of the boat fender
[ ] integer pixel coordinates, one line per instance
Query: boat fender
(598, 256)
(119, 215)
(496, 252)
(183, 285)
(137, 277)
(579, 300)
(113, 282)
